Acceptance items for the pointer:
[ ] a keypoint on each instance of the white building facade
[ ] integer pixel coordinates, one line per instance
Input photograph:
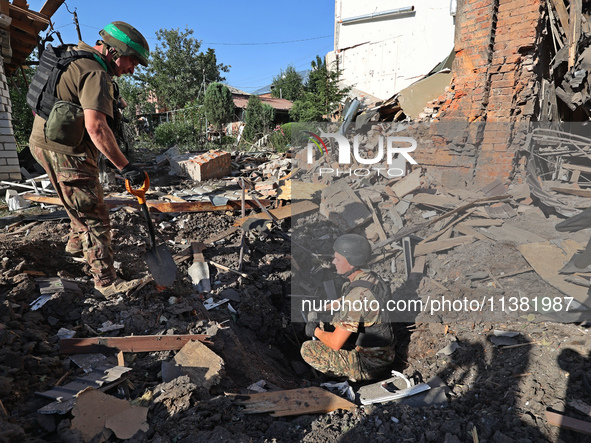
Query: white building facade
(383, 46)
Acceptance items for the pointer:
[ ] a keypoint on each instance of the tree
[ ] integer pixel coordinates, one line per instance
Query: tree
(22, 116)
(289, 85)
(136, 97)
(258, 119)
(219, 106)
(322, 95)
(177, 69)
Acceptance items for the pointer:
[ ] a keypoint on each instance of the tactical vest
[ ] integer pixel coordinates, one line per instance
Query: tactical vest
(379, 334)
(41, 95)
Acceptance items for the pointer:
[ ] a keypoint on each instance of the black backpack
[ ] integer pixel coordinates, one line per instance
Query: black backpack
(53, 63)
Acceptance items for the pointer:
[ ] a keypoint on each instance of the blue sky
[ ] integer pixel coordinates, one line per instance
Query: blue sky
(224, 26)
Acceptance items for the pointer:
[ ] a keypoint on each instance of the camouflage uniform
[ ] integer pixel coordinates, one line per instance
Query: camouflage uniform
(73, 170)
(353, 361)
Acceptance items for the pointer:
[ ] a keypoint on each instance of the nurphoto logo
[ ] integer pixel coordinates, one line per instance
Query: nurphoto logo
(397, 153)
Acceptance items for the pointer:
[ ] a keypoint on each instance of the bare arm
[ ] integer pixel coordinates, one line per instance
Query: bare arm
(103, 138)
(335, 339)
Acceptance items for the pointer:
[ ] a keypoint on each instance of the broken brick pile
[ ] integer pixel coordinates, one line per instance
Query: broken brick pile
(494, 87)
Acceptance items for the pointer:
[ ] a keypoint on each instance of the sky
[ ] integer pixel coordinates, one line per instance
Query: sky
(256, 38)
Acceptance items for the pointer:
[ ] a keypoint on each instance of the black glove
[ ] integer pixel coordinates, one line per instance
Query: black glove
(311, 327)
(134, 174)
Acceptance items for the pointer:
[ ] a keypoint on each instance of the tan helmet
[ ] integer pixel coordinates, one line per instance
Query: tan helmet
(126, 40)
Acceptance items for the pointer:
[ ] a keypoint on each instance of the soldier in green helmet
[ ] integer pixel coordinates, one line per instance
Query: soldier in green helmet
(86, 106)
(361, 346)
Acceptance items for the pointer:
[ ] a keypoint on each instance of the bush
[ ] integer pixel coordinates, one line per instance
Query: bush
(179, 133)
(280, 140)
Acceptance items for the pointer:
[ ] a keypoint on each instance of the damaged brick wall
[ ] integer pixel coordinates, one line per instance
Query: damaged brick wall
(9, 164)
(493, 91)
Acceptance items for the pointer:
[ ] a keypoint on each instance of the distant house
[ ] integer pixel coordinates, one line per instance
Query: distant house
(281, 105)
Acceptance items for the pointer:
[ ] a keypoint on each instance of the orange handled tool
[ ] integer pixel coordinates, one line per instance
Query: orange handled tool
(159, 260)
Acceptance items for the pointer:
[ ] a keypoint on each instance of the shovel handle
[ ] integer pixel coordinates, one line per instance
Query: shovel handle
(140, 193)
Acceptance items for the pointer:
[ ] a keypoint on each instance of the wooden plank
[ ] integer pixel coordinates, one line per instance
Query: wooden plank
(135, 343)
(576, 175)
(42, 20)
(419, 266)
(573, 191)
(284, 212)
(483, 222)
(513, 234)
(574, 32)
(561, 13)
(576, 167)
(442, 245)
(448, 228)
(565, 422)
(467, 230)
(313, 400)
(432, 200)
(24, 26)
(50, 6)
(157, 205)
(297, 190)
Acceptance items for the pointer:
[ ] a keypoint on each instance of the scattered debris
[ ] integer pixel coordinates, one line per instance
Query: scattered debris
(390, 389)
(203, 366)
(95, 412)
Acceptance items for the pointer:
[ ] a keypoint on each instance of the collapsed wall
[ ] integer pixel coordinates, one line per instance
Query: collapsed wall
(496, 80)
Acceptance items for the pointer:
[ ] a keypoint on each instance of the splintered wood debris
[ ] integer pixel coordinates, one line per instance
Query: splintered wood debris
(312, 400)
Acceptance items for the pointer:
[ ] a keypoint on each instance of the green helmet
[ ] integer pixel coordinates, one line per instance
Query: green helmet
(126, 40)
(355, 248)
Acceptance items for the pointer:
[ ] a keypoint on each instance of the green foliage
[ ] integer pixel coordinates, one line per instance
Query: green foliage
(289, 84)
(178, 132)
(177, 67)
(194, 113)
(22, 116)
(257, 120)
(322, 94)
(280, 140)
(136, 97)
(218, 104)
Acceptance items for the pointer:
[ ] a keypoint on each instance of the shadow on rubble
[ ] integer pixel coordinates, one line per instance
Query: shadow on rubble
(577, 394)
(484, 400)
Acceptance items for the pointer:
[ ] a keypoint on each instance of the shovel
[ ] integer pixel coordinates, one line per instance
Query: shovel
(199, 270)
(159, 260)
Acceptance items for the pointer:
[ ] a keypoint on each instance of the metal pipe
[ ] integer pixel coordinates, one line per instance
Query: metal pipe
(374, 15)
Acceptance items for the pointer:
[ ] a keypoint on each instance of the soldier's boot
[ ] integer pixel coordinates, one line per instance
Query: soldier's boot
(118, 287)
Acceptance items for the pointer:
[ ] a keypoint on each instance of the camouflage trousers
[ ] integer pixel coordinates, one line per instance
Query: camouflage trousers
(354, 365)
(77, 184)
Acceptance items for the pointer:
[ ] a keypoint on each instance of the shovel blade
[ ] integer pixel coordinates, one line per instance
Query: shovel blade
(161, 265)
